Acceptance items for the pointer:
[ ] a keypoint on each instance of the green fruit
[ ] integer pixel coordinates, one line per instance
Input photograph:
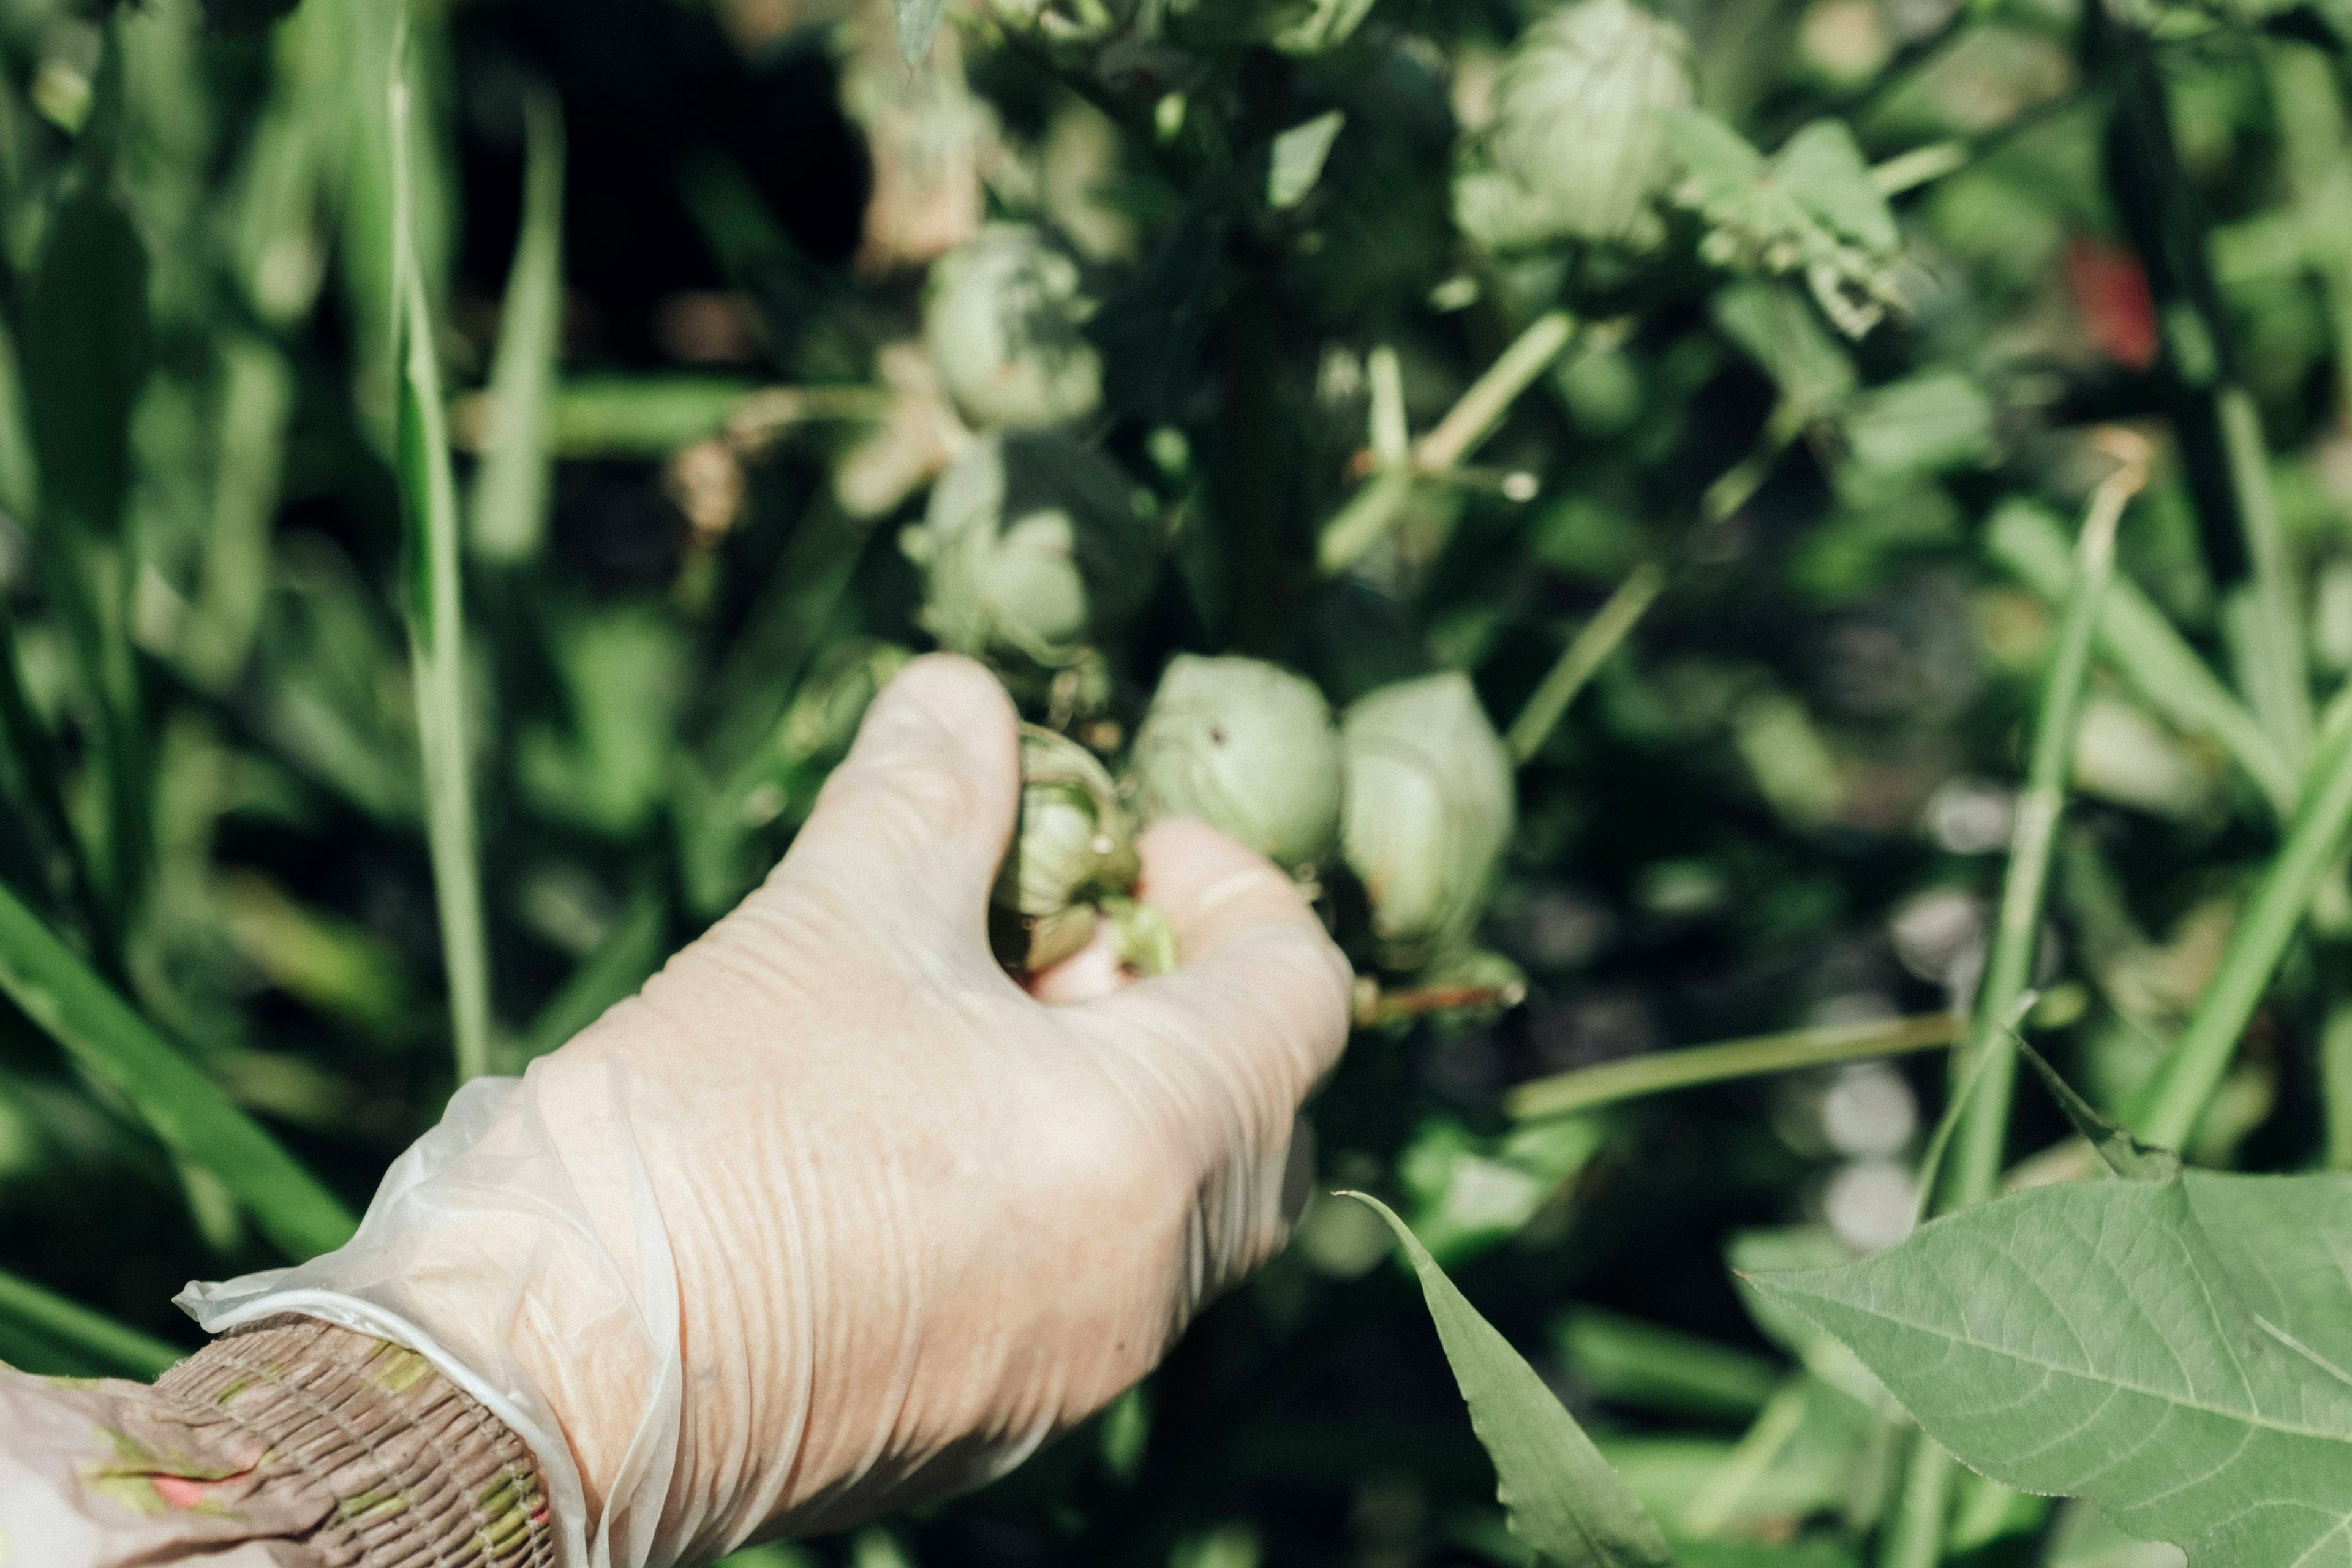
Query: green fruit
(1032, 547)
(1430, 807)
(1250, 749)
(1577, 128)
(1004, 322)
(1072, 847)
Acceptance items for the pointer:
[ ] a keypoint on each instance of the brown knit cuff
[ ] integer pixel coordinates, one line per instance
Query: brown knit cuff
(420, 1474)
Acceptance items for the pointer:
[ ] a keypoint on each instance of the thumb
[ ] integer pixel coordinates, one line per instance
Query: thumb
(918, 815)
(1260, 999)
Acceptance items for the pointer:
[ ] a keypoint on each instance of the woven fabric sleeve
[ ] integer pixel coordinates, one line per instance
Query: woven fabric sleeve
(419, 1475)
(292, 1444)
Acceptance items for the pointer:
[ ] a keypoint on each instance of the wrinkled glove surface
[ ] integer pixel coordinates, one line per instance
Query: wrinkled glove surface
(833, 1215)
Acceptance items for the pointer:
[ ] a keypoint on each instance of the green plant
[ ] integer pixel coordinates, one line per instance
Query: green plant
(449, 470)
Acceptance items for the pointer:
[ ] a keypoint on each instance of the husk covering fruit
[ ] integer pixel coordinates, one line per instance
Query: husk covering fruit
(1579, 143)
(1249, 748)
(1004, 322)
(1074, 848)
(1430, 806)
(1033, 547)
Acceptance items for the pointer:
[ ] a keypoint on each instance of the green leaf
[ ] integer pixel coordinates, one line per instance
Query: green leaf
(429, 540)
(511, 487)
(1813, 211)
(2121, 1152)
(918, 20)
(85, 358)
(2173, 1351)
(187, 1110)
(1298, 154)
(1924, 424)
(1563, 1497)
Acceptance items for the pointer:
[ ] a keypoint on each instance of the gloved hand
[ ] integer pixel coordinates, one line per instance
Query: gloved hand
(833, 1215)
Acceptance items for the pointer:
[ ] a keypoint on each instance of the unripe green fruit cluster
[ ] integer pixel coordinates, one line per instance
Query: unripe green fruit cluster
(1411, 787)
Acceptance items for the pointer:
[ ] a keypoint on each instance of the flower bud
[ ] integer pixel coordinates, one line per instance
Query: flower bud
(1074, 847)
(1033, 547)
(1430, 806)
(1248, 747)
(1577, 123)
(1004, 322)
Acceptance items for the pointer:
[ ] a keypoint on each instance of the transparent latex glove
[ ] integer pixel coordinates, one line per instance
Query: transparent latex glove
(833, 1215)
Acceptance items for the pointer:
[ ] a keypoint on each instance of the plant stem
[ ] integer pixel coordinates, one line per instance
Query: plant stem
(1476, 413)
(2017, 935)
(428, 495)
(1987, 1076)
(1379, 501)
(1582, 656)
(115, 1346)
(1915, 1538)
(1635, 1077)
(2175, 1098)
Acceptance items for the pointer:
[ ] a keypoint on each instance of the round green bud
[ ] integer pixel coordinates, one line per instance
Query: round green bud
(1577, 122)
(1032, 546)
(1247, 747)
(1072, 847)
(1430, 807)
(1004, 322)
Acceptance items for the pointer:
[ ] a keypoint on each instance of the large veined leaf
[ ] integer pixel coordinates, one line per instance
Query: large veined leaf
(1561, 1495)
(2177, 1351)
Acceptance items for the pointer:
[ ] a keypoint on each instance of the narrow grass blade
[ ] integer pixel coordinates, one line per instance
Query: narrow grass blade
(187, 1110)
(511, 487)
(2175, 1098)
(1585, 1088)
(86, 353)
(428, 504)
(1582, 656)
(1561, 1496)
(2151, 656)
(91, 1337)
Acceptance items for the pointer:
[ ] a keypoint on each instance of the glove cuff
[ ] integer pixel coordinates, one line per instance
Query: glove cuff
(420, 1473)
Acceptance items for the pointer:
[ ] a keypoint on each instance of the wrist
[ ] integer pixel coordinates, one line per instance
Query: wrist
(417, 1469)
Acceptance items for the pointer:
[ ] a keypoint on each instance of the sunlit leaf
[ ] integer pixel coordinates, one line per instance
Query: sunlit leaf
(1563, 1498)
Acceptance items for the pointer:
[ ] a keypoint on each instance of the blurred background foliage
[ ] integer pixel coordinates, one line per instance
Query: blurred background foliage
(1808, 435)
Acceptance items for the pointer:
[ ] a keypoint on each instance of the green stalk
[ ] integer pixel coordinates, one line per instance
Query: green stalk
(1915, 1537)
(1582, 656)
(190, 1113)
(1988, 1075)
(1567, 1093)
(2177, 1096)
(428, 500)
(2142, 647)
(1378, 502)
(2017, 935)
(90, 1335)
